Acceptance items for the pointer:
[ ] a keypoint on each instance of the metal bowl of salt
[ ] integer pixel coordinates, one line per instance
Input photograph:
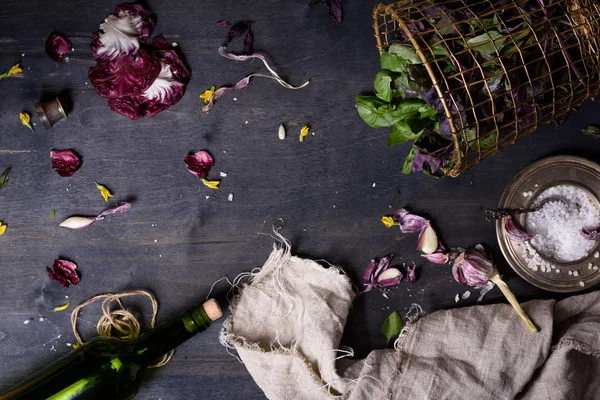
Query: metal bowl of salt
(558, 258)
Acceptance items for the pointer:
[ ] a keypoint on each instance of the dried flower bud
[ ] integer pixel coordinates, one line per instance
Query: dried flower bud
(428, 241)
(472, 267)
(64, 272)
(514, 232)
(410, 223)
(65, 162)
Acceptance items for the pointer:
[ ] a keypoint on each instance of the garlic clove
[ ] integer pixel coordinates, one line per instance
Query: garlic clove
(428, 241)
(281, 132)
(77, 222)
(389, 277)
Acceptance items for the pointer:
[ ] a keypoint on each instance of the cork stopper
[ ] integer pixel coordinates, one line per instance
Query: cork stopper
(212, 309)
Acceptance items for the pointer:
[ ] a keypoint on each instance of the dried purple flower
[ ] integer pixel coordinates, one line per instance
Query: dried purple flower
(199, 163)
(591, 233)
(65, 162)
(472, 267)
(514, 232)
(56, 46)
(64, 272)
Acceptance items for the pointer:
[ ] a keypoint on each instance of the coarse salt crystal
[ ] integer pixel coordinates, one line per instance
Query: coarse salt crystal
(570, 272)
(575, 273)
(556, 225)
(222, 174)
(41, 319)
(595, 268)
(230, 197)
(557, 269)
(590, 266)
(27, 321)
(456, 298)
(466, 295)
(596, 254)
(527, 194)
(582, 283)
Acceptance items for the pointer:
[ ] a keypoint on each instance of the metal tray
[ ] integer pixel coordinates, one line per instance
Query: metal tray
(536, 178)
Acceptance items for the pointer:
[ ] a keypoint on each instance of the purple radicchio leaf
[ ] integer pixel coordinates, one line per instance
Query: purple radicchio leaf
(409, 223)
(56, 46)
(123, 31)
(65, 162)
(514, 232)
(125, 75)
(64, 272)
(166, 90)
(335, 10)
(199, 163)
(591, 234)
(473, 267)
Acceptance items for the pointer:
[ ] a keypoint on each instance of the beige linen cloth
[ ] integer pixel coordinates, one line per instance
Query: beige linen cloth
(287, 322)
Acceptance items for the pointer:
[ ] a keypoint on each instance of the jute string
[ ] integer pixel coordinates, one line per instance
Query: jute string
(115, 316)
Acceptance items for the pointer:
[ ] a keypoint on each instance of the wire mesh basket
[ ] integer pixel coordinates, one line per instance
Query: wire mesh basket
(500, 68)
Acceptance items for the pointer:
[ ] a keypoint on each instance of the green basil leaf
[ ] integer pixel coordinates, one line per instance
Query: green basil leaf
(383, 85)
(409, 107)
(487, 43)
(401, 132)
(392, 62)
(392, 326)
(592, 130)
(428, 113)
(486, 143)
(408, 161)
(376, 112)
(4, 178)
(406, 52)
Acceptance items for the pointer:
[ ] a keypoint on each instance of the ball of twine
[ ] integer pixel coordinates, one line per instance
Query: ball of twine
(117, 320)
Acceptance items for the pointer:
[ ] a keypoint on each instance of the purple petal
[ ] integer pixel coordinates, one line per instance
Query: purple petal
(368, 276)
(56, 46)
(591, 234)
(409, 223)
(411, 274)
(199, 163)
(223, 23)
(514, 232)
(65, 162)
(121, 208)
(437, 257)
(64, 272)
(335, 10)
(384, 263)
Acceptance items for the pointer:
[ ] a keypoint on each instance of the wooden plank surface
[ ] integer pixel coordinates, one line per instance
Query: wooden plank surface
(328, 193)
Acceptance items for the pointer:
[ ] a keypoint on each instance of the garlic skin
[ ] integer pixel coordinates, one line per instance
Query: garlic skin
(428, 240)
(281, 132)
(77, 222)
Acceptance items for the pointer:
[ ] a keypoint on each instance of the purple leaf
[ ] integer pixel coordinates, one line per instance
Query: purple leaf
(335, 10)
(423, 157)
(65, 162)
(409, 223)
(56, 46)
(64, 272)
(199, 163)
(514, 232)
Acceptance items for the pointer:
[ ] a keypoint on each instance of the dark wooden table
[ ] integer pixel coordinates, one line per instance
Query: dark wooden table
(328, 193)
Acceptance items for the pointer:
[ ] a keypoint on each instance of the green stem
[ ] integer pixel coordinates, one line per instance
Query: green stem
(513, 302)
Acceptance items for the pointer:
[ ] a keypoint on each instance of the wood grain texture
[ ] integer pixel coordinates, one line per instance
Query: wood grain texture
(176, 242)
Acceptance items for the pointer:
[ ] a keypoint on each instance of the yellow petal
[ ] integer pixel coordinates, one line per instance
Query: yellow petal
(211, 184)
(2, 228)
(61, 307)
(25, 120)
(75, 345)
(304, 132)
(388, 221)
(206, 96)
(103, 191)
(15, 69)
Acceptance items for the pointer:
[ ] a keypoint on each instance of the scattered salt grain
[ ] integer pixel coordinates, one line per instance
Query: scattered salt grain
(52, 348)
(456, 298)
(174, 44)
(23, 55)
(595, 268)
(558, 270)
(596, 254)
(230, 197)
(556, 226)
(235, 99)
(384, 295)
(155, 240)
(66, 297)
(26, 321)
(69, 344)
(575, 273)
(207, 197)
(246, 122)
(527, 194)
(582, 283)
(374, 184)
(223, 174)
(570, 272)
(590, 266)
(41, 319)
(466, 295)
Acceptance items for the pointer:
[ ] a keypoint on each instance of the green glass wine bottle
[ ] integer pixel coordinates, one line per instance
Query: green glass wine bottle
(111, 368)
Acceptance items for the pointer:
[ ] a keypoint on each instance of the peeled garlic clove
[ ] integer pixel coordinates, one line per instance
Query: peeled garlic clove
(428, 241)
(77, 222)
(281, 133)
(389, 277)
